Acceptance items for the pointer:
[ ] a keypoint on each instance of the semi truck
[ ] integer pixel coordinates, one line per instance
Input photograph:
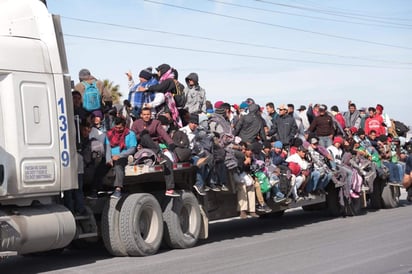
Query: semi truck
(38, 162)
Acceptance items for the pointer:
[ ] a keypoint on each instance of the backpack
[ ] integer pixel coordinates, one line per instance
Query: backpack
(145, 156)
(179, 96)
(180, 139)
(91, 96)
(401, 128)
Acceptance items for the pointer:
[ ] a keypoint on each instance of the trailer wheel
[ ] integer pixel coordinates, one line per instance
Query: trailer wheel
(390, 196)
(110, 228)
(141, 224)
(183, 221)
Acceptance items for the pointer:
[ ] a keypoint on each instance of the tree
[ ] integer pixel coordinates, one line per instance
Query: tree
(114, 90)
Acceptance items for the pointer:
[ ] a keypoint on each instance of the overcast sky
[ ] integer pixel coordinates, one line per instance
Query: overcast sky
(300, 52)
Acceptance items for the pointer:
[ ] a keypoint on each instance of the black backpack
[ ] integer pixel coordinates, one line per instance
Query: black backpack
(401, 128)
(180, 139)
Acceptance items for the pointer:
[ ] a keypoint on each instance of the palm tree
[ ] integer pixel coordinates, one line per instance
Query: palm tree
(114, 90)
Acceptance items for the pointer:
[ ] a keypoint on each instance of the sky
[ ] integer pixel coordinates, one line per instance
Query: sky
(295, 51)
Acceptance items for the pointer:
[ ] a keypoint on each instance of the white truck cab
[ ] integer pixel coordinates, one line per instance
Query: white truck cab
(37, 152)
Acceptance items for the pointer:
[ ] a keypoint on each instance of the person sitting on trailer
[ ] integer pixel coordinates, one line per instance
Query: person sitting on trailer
(120, 143)
(320, 175)
(150, 133)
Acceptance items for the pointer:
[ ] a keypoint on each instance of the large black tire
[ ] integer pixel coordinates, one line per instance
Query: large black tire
(332, 201)
(141, 224)
(182, 221)
(110, 228)
(376, 196)
(390, 196)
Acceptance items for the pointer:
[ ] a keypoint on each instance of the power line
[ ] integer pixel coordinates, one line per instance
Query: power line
(235, 42)
(281, 26)
(308, 16)
(342, 14)
(232, 54)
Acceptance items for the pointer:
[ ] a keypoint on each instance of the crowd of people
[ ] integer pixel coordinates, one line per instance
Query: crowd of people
(281, 154)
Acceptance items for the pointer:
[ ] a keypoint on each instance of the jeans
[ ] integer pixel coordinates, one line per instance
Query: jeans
(395, 172)
(325, 141)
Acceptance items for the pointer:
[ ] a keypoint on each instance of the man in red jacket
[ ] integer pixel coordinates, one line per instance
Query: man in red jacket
(374, 122)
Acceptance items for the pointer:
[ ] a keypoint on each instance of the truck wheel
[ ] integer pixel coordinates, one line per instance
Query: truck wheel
(141, 224)
(110, 228)
(376, 195)
(332, 201)
(390, 196)
(183, 221)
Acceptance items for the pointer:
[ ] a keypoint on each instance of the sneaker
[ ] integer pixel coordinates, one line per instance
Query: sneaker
(172, 193)
(253, 215)
(266, 208)
(161, 160)
(243, 215)
(260, 208)
(299, 199)
(116, 194)
(288, 201)
(199, 190)
(277, 199)
(354, 195)
(92, 196)
(207, 188)
(130, 160)
(224, 188)
(202, 161)
(215, 188)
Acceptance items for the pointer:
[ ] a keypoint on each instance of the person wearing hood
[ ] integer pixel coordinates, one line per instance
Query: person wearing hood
(251, 125)
(284, 129)
(352, 116)
(195, 94)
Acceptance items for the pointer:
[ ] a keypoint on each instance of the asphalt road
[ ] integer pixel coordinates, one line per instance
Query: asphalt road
(299, 242)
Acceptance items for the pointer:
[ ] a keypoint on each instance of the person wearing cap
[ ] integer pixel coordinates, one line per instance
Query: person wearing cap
(168, 85)
(219, 126)
(344, 175)
(284, 129)
(304, 117)
(137, 98)
(85, 77)
(374, 122)
(299, 168)
(352, 116)
(363, 115)
(323, 127)
(320, 175)
(191, 130)
(251, 126)
(195, 94)
(278, 155)
(387, 123)
(396, 172)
